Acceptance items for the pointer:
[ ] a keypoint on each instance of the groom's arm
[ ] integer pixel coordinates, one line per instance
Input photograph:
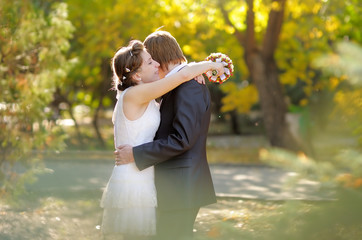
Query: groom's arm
(189, 106)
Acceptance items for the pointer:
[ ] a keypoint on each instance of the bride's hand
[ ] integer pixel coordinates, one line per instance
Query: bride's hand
(219, 67)
(200, 79)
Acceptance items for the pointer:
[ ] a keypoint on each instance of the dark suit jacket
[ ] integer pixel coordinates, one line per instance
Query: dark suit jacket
(178, 153)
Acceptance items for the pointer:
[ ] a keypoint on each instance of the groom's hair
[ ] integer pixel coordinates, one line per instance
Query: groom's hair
(164, 49)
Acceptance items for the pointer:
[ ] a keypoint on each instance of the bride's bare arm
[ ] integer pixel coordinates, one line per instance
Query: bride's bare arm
(143, 93)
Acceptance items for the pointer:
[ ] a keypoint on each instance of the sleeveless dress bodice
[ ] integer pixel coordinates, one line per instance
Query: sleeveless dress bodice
(129, 199)
(135, 132)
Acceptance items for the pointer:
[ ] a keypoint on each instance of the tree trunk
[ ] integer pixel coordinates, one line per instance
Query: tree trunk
(100, 93)
(77, 128)
(59, 98)
(274, 109)
(96, 124)
(234, 123)
(264, 72)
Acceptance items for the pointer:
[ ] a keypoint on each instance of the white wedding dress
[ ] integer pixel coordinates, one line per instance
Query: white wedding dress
(130, 200)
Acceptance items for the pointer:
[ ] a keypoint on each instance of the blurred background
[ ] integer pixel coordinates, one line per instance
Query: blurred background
(296, 85)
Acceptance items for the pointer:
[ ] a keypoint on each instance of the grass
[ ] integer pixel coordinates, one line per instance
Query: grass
(47, 217)
(233, 155)
(79, 217)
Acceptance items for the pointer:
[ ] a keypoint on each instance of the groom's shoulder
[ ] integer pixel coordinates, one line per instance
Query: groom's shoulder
(192, 84)
(191, 90)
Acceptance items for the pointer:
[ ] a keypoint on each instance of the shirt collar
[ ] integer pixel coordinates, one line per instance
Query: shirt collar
(176, 69)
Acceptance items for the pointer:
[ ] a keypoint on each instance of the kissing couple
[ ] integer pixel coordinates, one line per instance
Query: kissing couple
(161, 177)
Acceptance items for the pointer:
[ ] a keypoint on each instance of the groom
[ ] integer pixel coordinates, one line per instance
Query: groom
(178, 152)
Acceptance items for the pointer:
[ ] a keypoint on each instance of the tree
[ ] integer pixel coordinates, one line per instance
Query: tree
(263, 70)
(32, 65)
(102, 26)
(279, 41)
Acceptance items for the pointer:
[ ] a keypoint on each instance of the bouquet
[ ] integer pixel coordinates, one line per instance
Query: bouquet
(228, 69)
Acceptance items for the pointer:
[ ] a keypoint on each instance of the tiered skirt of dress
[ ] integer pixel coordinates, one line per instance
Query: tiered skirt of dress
(130, 201)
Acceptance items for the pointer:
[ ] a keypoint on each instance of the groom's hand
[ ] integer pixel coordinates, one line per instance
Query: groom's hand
(123, 154)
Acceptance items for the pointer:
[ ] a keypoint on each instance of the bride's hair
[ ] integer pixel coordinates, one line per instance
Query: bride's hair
(125, 63)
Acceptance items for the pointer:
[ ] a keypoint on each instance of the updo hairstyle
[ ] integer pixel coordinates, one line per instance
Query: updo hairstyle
(125, 63)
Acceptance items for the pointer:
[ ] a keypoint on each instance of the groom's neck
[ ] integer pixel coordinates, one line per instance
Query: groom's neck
(170, 66)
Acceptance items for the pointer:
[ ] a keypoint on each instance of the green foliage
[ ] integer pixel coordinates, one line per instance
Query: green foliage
(340, 217)
(32, 65)
(308, 30)
(101, 28)
(104, 26)
(243, 97)
(306, 34)
(339, 175)
(345, 64)
(309, 33)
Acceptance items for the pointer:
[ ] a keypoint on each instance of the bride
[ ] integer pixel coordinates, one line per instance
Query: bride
(129, 199)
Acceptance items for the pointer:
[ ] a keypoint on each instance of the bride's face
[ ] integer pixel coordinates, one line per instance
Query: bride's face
(149, 69)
